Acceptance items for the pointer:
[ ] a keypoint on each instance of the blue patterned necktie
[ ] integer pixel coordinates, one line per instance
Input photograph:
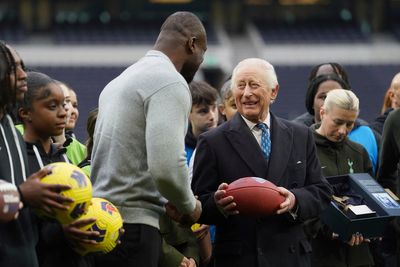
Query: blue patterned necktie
(265, 140)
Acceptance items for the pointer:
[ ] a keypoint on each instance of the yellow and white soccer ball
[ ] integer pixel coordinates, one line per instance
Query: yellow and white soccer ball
(81, 191)
(108, 223)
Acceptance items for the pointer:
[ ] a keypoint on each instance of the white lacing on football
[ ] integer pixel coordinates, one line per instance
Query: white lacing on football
(4, 187)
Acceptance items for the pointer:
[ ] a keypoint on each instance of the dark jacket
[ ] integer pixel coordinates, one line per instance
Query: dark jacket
(230, 152)
(379, 121)
(305, 118)
(190, 143)
(53, 248)
(339, 158)
(36, 160)
(390, 153)
(361, 133)
(18, 237)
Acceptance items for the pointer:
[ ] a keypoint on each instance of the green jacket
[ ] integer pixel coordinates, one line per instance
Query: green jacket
(178, 242)
(342, 157)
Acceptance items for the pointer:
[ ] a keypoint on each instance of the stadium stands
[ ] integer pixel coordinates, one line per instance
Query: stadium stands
(135, 32)
(12, 33)
(310, 32)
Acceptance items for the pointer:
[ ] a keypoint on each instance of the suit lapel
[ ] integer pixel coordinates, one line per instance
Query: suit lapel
(281, 140)
(244, 142)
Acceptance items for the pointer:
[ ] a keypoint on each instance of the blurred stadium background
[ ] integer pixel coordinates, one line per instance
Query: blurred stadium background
(87, 43)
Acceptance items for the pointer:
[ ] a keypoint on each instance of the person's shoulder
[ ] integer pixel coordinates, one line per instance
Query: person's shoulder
(394, 117)
(218, 131)
(76, 144)
(362, 132)
(293, 125)
(357, 147)
(154, 69)
(160, 65)
(76, 151)
(361, 122)
(305, 118)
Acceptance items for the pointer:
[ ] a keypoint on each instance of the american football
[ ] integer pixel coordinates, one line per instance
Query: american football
(255, 197)
(9, 201)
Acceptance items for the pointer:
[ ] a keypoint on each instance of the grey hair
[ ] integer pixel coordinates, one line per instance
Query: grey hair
(225, 91)
(343, 99)
(270, 74)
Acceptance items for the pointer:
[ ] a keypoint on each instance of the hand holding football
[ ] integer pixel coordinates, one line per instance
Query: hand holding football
(255, 197)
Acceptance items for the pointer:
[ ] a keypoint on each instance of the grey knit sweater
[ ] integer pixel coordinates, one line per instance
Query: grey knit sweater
(138, 158)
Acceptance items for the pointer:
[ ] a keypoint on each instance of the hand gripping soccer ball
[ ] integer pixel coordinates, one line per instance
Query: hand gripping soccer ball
(81, 191)
(108, 223)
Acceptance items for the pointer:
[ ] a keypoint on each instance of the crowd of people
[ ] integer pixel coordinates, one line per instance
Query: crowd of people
(163, 149)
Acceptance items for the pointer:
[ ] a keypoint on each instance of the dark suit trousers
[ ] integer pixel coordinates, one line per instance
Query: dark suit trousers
(140, 246)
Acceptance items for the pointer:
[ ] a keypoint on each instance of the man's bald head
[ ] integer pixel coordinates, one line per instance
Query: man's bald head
(179, 27)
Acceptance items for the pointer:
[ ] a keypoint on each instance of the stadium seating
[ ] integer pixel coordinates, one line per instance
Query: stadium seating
(311, 32)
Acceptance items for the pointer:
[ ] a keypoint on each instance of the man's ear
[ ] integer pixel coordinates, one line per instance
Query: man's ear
(192, 44)
(322, 112)
(275, 92)
(24, 115)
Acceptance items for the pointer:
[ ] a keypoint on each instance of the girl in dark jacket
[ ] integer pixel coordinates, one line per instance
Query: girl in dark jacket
(44, 115)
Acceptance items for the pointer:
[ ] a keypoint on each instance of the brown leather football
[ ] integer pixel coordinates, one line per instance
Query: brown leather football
(9, 201)
(255, 197)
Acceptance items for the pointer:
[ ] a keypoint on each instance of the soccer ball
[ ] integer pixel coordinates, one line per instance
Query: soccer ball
(108, 223)
(81, 191)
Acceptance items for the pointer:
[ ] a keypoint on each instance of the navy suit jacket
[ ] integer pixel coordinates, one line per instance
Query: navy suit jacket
(230, 152)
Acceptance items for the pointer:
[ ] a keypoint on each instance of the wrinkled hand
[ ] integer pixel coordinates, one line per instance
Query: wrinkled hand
(289, 203)
(44, 196)
(225, 203)
(77, 236)
(184, 219)
(188, 262)
(202, 231)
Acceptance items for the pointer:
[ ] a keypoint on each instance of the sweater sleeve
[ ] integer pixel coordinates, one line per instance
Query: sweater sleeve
(167, 113)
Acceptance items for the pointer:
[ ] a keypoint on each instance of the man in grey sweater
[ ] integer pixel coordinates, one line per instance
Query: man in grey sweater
(138, 160)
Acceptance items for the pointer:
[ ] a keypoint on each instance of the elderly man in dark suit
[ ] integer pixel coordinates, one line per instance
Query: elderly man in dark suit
(279, 151)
